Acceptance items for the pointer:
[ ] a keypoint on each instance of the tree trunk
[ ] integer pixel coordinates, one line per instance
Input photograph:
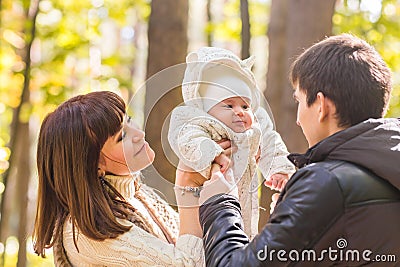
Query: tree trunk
(209, 21)
(244, 15)
(286, 41)
(294, 26)
(20, 141)
(167, 35)
(23, 178)
(315, 18)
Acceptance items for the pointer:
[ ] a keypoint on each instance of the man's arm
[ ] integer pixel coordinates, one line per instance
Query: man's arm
(311, 202)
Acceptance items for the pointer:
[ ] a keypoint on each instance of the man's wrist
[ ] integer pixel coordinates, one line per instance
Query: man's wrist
(217, 187)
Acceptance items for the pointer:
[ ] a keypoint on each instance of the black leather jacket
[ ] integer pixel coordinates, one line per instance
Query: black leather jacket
(341, 208)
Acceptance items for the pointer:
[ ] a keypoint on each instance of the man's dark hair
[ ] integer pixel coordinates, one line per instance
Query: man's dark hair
(348, 71)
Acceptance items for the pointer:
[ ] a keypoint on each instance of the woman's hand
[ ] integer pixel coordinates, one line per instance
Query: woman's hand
(226, 145)
(224, 159)
(186, 176)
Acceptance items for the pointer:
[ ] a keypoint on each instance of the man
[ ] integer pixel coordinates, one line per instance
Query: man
(342, 207)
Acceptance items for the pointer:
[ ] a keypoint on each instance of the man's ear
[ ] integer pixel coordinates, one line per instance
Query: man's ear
(326, 107)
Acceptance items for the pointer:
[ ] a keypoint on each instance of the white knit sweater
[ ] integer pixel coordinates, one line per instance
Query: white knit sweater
(136, 247)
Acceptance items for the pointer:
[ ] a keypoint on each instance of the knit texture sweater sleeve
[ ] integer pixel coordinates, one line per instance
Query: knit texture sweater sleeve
(274, 153)
(133, 248)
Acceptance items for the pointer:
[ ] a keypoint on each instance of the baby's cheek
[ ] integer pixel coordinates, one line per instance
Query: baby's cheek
(250, 119)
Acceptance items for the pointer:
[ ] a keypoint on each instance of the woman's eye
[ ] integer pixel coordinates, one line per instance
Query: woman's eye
(128, 120)
(122, 136)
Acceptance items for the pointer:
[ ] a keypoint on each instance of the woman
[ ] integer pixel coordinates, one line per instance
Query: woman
(92, 206)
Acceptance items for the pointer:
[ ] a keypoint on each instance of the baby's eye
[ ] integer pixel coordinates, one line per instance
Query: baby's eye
(228, 106)
(245, 107)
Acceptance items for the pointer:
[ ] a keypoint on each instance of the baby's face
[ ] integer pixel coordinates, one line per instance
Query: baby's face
(234, 112)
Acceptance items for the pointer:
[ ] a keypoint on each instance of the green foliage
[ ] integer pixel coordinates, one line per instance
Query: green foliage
(227, 26)
(79, 46)
(91, 45)
(378, 23)
(258, 19)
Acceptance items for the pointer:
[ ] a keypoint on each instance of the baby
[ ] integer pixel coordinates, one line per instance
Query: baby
(222, 102)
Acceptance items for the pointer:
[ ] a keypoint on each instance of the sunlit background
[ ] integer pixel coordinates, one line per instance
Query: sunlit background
(81, 46)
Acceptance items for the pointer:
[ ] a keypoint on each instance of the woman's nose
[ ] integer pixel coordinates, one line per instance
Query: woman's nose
(135, 133)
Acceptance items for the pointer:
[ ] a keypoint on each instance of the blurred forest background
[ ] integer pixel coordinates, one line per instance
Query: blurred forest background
(51, 50)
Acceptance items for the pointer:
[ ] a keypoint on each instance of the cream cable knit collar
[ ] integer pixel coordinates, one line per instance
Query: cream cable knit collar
(126, 185)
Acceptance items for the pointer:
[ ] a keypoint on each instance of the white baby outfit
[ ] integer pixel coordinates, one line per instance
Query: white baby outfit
(193, 133)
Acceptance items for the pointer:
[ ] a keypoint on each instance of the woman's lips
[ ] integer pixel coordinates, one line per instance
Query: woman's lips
(141, 148)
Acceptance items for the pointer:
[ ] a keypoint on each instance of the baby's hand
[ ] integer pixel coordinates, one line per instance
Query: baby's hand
(223, 161)
(277, 181)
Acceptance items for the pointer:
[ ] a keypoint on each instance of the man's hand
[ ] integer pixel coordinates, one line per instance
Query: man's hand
(218, 184)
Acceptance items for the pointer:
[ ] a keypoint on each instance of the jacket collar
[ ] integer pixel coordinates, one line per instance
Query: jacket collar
(322, 150)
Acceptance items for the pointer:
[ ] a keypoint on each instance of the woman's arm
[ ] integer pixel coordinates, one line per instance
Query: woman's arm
(188, 202)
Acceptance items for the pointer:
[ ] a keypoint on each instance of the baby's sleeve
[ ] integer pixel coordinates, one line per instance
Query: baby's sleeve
(274, 153)
(191, 141)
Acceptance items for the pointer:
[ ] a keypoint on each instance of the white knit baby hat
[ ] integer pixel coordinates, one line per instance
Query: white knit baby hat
(212, 65)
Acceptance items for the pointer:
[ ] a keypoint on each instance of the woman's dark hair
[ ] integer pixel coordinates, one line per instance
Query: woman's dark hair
(69, 145)
(349, 72)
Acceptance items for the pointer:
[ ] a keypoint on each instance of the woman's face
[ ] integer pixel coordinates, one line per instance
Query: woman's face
(126, 151)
